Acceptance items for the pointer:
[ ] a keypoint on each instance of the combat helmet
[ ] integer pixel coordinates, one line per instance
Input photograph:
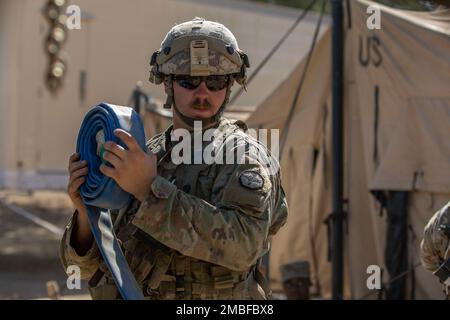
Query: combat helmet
(198, 48)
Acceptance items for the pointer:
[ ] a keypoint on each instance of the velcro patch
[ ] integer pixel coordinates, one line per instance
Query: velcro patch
(251, 180)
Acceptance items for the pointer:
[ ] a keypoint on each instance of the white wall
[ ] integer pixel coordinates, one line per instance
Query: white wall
(38, 130)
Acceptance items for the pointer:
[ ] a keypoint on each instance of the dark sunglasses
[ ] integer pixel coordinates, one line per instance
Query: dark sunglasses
(214, 83)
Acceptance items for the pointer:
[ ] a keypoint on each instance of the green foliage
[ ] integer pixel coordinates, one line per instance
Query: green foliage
(299, 4)
(419, 5)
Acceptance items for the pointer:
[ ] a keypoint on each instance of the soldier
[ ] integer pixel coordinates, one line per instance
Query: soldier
(194, 231)
(435, 246)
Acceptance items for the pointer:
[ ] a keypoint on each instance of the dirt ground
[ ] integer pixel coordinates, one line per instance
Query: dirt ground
(29, 254)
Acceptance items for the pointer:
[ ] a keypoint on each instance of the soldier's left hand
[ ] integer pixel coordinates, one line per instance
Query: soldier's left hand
(133, 169)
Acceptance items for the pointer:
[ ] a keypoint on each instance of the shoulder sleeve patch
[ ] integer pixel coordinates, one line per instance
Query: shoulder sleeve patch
(251, 180)
(249, 189)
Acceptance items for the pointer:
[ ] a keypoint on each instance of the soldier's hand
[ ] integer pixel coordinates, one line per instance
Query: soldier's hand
(77, 175)
(133, 169)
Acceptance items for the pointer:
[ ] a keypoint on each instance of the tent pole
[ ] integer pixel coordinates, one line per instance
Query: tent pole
(337, 118)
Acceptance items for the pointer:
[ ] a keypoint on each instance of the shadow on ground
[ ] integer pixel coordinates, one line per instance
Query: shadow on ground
(29, 254)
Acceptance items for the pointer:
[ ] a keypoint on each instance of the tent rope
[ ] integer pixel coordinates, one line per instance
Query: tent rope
(302, 79)
(272, 52)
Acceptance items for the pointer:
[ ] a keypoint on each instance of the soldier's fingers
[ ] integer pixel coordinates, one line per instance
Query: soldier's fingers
(75, 185)
(119, 151)
(127, 138)
(107, 171)
(74, 156)
(77, 165)
(112, 158)
(78, 173)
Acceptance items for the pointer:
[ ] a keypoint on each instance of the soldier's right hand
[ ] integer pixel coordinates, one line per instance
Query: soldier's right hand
(77, 176)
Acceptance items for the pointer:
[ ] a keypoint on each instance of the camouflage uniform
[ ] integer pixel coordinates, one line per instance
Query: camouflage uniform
(200, 232)
(435, 246)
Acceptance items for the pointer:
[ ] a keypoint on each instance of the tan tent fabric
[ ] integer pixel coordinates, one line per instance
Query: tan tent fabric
(437, 20)
(407, 68)
(302, 237)
(424, 151)
(397, 108)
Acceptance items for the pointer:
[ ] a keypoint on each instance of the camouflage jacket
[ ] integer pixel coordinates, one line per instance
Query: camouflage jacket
(202, 228)
(435, 246)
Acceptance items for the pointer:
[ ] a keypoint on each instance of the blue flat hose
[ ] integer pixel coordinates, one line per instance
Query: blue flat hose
(102, 194)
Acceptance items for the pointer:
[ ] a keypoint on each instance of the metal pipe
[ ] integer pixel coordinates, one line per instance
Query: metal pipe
(28, 215)
(338, 213)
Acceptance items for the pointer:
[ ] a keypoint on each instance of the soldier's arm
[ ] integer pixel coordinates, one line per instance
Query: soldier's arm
(230, 232)
(89, 260)
(435, 242)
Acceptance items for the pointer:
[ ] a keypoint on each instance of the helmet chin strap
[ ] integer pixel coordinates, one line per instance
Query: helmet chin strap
(170, 101)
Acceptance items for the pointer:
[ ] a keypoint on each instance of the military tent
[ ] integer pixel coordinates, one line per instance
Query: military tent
(396, 151)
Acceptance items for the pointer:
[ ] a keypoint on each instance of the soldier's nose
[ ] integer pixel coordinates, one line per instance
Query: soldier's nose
(202, 90)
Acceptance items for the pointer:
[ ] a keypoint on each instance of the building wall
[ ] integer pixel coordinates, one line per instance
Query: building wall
(38, 130)
(10, 13)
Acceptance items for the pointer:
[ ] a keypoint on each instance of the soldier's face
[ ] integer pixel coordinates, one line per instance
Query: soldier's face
(198, 103)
